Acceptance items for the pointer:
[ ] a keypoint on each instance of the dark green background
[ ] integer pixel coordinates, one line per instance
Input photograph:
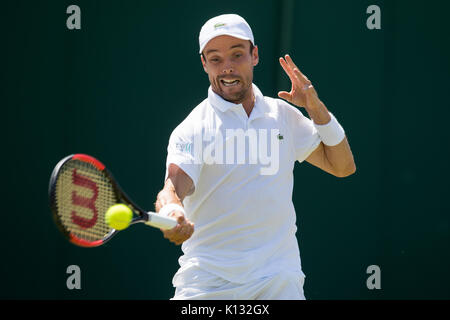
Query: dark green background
(117, 88)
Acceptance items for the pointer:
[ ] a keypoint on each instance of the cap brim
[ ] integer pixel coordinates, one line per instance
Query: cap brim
(223, 34)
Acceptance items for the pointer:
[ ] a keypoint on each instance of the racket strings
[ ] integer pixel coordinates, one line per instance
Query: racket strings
(83, 195)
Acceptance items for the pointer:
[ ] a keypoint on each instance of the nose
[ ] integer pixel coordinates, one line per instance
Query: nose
(228, 68)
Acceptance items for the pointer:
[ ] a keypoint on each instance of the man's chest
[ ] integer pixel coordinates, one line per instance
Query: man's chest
(263, 144)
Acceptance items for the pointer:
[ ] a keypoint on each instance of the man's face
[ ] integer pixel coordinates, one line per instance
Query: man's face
(229, 65)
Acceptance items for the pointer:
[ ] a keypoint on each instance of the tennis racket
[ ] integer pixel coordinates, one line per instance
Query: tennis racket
(81, 190)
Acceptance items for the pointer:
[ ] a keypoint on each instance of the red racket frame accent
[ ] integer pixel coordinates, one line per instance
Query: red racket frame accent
(86, 158)
(84, 243)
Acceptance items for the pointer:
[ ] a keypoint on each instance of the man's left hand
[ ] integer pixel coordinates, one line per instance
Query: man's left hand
(302, 92)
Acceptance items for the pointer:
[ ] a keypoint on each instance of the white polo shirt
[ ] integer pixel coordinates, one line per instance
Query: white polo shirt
(245, 222)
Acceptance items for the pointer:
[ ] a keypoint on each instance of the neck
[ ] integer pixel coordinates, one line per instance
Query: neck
(249, 102)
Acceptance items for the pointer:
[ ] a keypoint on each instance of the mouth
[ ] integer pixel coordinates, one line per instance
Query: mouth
(229, 82)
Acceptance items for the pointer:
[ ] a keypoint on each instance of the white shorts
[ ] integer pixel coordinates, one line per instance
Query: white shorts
(196, 283)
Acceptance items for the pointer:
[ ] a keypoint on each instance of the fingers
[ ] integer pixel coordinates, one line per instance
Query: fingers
(302, 93)
(304, 80)
(289, 71)
(289, 63)
(181, 232)
(285, 95)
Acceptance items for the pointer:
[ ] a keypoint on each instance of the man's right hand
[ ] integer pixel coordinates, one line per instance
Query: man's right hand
(182, 231)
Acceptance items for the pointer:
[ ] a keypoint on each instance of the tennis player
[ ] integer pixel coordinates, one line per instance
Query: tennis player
(244, 244)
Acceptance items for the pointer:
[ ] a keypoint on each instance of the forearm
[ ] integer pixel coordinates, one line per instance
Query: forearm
(340, 158)
(177, 186)
(167, 195)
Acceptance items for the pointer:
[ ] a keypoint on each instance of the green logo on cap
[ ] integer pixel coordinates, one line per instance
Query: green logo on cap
(218, 25)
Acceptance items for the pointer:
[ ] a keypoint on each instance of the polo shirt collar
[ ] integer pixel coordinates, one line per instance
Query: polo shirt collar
(218, 102)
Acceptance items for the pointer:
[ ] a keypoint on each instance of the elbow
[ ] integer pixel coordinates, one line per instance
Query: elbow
(348, 171)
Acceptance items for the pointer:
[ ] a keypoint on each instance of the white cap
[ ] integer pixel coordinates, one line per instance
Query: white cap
(225, 24)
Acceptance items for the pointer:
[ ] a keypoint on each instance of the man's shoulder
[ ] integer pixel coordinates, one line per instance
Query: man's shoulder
(198, 111)
(277, 105)
(289, 114)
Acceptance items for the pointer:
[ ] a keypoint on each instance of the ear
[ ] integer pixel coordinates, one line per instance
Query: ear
(255, 56)
(204, 63)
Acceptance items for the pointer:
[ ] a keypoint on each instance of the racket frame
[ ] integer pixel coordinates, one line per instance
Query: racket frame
(139, 214)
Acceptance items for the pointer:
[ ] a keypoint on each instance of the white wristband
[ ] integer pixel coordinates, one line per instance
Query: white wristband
(331, 133)
(169, 208)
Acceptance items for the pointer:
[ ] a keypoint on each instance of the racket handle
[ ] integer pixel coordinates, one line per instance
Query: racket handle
(158, 221)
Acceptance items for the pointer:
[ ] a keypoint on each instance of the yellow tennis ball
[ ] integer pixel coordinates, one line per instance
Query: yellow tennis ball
(119, 216)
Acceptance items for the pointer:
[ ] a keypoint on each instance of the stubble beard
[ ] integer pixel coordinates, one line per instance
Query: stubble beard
(237, 97)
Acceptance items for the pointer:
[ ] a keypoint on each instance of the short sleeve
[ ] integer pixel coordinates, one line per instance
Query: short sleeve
(304, 135)
(181, 151)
